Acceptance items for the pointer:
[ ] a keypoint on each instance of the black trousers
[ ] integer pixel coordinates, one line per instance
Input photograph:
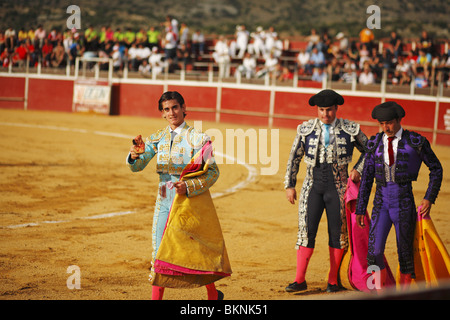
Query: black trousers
(324, 196)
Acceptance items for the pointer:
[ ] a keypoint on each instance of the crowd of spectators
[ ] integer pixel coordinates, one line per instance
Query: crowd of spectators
(245, 54)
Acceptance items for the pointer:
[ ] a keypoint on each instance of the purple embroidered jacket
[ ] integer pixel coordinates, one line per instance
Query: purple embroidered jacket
(413, 149)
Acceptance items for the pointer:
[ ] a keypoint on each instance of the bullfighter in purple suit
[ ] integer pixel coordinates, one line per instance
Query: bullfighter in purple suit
(393, 159)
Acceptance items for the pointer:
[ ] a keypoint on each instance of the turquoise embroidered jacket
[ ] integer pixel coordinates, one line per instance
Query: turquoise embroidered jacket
(171, 159)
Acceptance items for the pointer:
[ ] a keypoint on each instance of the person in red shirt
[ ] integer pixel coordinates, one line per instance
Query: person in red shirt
(20, 55)
(47, 50)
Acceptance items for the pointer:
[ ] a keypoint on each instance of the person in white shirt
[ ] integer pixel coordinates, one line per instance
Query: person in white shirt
(303, 61)
(156, 61)
(239, 46)
(366, 77)
(222, 57)
(248, 66)
(257, 46)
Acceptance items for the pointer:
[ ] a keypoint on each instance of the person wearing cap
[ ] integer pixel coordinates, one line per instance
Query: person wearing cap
(327, 145)
(393, 160)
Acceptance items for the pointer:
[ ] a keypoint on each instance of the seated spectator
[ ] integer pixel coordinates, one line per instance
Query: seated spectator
(334, 69)
(20, 55)
(343, 42)
(421, 81)
(257, 46)
(39, 35)
(366, 38)
(221, 56)
(403, 71)
(47, 50)
(285, 74)
(317, 59)
(153, 37)
(313, 40)
(396, 45)
(426, 42)
(32, 53)
(318, 74)
(270, 67)
(170, 45)
(58, 57)
(366, 77)
(156, 61)
(10, 39)
(145, 68)
(248, 66)
(269, 36)
(133, 57)
(142, 53)
(116, 57)
(303, 58)
(277, 48)
(348, 75)
(238, 47)
(364, 55)
(198, 43)
(183, 58)
(423, 63)
(5, 59)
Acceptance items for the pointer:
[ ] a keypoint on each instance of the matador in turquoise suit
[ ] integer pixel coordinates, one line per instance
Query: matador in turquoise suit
(174, 147)
(326, 143)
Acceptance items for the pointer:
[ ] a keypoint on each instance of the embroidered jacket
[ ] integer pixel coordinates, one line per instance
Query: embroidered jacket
(412, 150)
(348, 135)
(172, 158)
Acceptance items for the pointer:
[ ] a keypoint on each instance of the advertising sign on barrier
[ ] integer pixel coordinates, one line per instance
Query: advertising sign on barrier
(92, 96)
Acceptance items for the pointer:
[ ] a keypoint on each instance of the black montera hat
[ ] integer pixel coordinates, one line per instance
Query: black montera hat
(388, 111)
(326, 98)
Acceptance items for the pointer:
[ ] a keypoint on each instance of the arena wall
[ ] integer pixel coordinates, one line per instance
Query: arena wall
(247, 104)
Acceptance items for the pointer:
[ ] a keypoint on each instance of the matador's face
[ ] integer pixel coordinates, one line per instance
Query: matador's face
(327, 114)
(390, 127)
(173, 112)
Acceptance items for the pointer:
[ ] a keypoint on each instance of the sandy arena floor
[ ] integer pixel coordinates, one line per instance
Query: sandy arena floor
(61, 173)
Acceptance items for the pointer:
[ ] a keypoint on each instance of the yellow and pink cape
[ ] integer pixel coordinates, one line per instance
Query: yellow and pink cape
(192, 251)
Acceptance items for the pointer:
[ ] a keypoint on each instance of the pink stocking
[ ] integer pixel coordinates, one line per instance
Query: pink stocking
(212, 291)
(157, 293)
(335, 262)
(303, 256)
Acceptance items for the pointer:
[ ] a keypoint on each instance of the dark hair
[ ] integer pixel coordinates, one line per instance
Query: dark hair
(170, 95)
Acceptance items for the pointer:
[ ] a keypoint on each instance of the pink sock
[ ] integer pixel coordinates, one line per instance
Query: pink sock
(157, 293)
(303, 256)
(335, 262)
(212, 291)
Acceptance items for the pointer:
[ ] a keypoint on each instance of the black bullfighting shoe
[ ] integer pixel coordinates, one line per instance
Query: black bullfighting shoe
(334, 288)
(296, 287)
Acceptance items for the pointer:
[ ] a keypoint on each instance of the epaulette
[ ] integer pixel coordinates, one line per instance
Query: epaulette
(196, 138)
(373, 142)
(157, 136)
(350, 127)
(307, 127)
(416, 140)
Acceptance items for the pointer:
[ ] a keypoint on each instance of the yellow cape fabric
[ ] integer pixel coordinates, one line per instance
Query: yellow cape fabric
(431, 258)
(193, 239)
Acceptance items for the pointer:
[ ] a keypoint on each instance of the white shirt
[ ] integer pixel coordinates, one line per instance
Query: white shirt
(177, 130)
(398, 136)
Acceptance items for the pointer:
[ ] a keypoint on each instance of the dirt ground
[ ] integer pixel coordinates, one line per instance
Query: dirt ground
(68, 199)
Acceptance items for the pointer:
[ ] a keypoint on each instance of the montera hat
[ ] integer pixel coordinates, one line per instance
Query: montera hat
(388, 111)
(326, 98)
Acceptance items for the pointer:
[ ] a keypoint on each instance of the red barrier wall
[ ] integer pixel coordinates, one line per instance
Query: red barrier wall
(246, 104)
(12, 87)
(52, 95)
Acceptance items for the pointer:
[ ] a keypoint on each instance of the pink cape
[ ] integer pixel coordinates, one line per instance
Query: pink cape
(358, 243)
